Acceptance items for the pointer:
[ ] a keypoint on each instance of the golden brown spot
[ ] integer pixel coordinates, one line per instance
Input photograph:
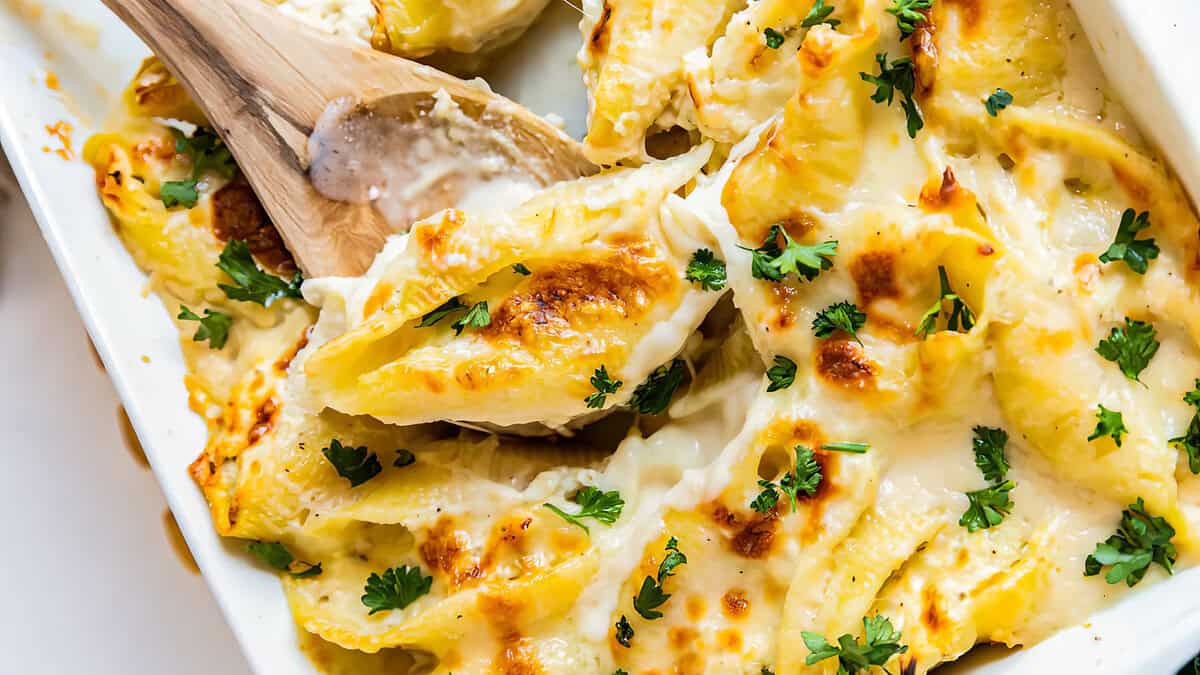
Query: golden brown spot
(782, 295)
(970, 13)
(1087, 271)
(754, 540)
(379, 295)
(682, 637)
(734, 603)
(445, 550)
(730, 639)
(874, 274)
(985, 249)
(433, 237)
(945, 193)
(598, 40)
(844, 363)
(433, 383)
(816, 53)
(930, 614)
(1138, 191)
(286, 359)
(129, 436)
(264, 420)
(237, 214)
(695, 606)
(576, 294)
(925, 53)
(963, 557)
(518, 655)
(178, 543)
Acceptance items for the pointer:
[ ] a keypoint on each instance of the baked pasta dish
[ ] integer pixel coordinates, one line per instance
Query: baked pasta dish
(893, 350)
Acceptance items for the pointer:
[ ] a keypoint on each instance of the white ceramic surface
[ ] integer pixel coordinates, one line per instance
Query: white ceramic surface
(93, 56)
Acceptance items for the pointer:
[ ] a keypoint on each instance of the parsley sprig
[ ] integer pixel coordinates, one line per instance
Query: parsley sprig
(819, 14)
(843, 316)
(276, 556)
(881, 642)
(989, 443)
(654, 395)
(624, 632)
(959, 317)
(772, 263)
(214, 326)
(476, 317)
(1189, 442)
(988, 507)
(782, 374)
(651, 595)
(1109, 423)
(773, 38)
(996, 101)
(1137, 253)
(804, 478)
(207, 152)
(1130, 347)
(604, 385)
(707, 270)
(899, 76)
(451, 306)
(251, 284)
(354, 464)
(908, 15)
(1140, 540)
(604, 507)
(396, 588)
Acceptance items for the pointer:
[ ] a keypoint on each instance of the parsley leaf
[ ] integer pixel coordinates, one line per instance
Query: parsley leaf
(404, 458)
(179, 193)
(881, 642)
(602, 506)
(654, 395)
(521, 269)
(767, 499)
(819, 14)
(987, 507)
(908, 15)
(899, 76)
(998, 100)
(604, 385)
(251, 283)
(214, 326)
(843, 316)
(353, 464)
(772, 263)
(624, 632)
(651, 596)
(1137, 253)
(1140, 540)
(856, 448)
(706, 270)
(781, 375)
(960, 315)
(1109, 423)
(988, 444)
(1189, 443)
(805, 478)
(396, 588)
(773, 38)
(476, 317)
(278, 557)
(441, 311)
(1131, 347)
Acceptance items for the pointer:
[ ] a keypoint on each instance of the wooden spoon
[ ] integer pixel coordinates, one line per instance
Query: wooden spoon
(263, 80)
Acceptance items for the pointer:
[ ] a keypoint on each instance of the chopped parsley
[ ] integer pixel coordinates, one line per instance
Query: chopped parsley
(251, 284)
(843, 316)
(604, 385)
(998, 100)
(881, 642)
(819, 14)
(276, 556)
(960, 317)
(805, 478)
(908, 15)
(451, 306)
(899, 76)
(773, 38)
(856, 448)
(988, 444)
(707, 270)
(772, 263)
(396, 588)
(624, 632)
(207, 152)
(476, 317)
(987, 507)
(1189, 443)
(1137, 253)
(651, 596)
(214, 326)
(604, 507)
(404, 458)
(1130, 347)
(1140, 540)
(1109, 423)
(521, 269)
(654, 395)
(354, 464)
(781, 375)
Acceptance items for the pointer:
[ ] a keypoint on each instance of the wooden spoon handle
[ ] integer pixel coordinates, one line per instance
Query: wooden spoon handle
(262, 80)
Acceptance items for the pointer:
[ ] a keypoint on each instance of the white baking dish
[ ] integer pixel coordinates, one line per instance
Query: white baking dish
(93, 56)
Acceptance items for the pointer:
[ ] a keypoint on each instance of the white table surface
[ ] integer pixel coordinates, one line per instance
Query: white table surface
(91, 582)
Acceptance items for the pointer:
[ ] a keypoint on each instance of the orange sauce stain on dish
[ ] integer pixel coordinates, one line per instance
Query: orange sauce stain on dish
(132, 444)
(178, 543)
(52, 81)
(61, 130)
